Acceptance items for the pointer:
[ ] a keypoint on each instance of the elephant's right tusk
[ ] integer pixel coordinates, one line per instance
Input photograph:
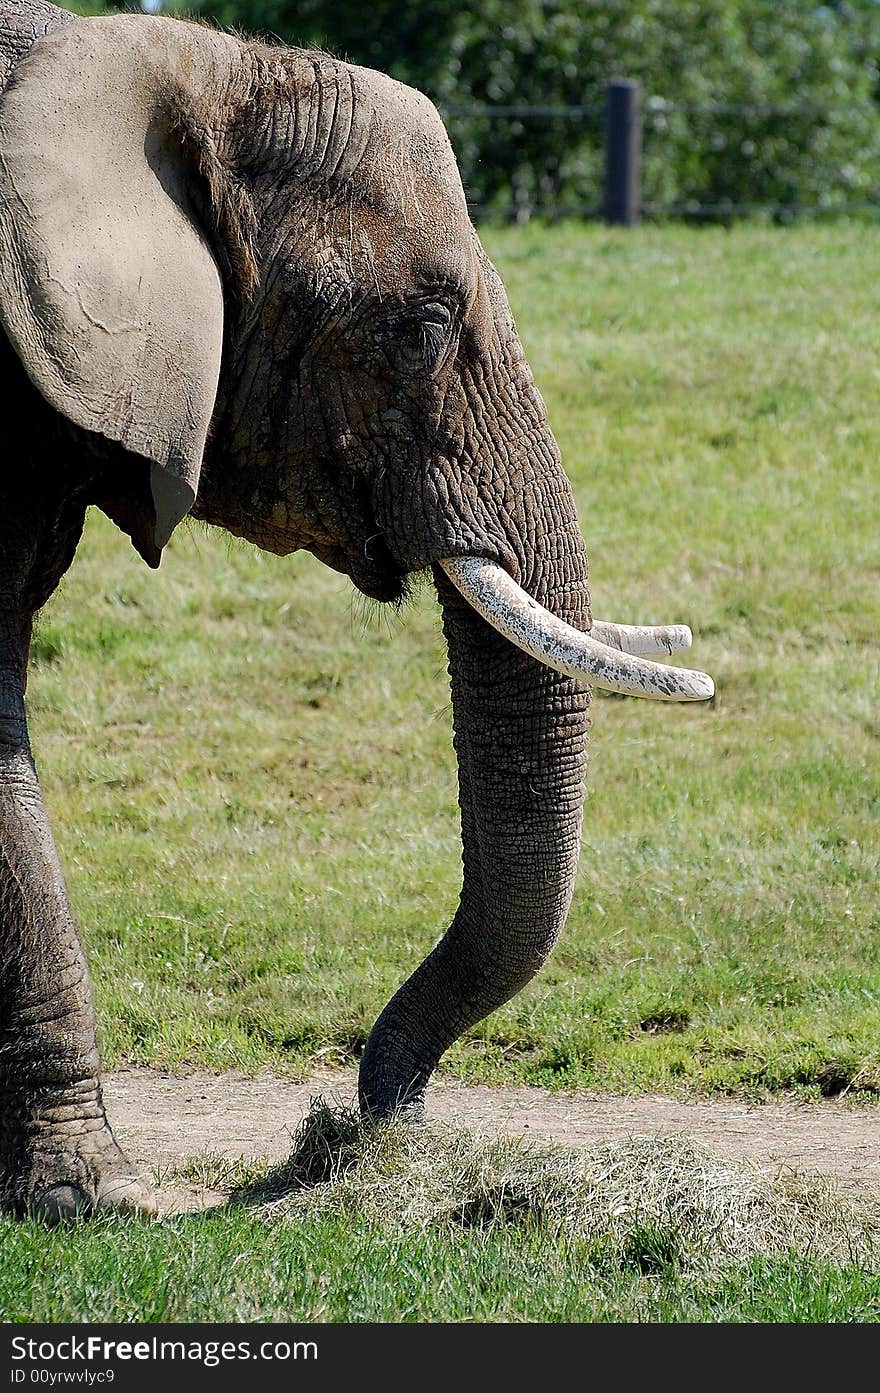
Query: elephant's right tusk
(643, 640)
(509, 609)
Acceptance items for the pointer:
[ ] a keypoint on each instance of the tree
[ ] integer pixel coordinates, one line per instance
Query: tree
(746, 101)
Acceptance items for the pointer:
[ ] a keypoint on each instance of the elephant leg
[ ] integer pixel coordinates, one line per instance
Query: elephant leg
(58, 1155)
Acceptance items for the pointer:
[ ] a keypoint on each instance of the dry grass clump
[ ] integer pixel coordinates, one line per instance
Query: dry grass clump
(651, 1201)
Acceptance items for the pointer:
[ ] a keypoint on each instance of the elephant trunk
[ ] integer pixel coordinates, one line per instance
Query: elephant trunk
(520, 737)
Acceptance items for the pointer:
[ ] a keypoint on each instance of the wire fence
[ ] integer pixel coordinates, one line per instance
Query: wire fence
(713, 161)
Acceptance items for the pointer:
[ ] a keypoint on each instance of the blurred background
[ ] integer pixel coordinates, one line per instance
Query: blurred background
(746, 106)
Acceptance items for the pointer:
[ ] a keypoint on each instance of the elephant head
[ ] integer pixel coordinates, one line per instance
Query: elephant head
(252, 268)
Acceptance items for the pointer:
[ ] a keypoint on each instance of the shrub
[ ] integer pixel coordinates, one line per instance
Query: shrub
(791, 88)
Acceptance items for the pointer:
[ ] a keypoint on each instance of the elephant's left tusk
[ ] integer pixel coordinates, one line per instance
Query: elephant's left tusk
(643, 640)
(512, 611)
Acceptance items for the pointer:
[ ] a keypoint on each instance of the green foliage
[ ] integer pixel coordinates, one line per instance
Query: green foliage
(797, 83)
(90, 7)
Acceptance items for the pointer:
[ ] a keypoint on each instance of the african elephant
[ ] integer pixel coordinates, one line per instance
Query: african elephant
(239, 282)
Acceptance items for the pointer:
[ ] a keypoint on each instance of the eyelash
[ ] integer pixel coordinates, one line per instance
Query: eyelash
(416, 339)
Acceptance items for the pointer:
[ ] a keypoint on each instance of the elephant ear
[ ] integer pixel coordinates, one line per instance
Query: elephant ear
(108, 289)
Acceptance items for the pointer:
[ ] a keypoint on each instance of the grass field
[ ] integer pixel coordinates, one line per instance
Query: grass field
(250, 774)
(252, 785)
(447, 1227)
(232, 1267)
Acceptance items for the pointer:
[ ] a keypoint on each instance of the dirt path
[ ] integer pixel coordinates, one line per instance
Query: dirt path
(161, 1119)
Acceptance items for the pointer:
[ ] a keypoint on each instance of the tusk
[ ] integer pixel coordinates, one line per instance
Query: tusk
(510, 610)
(643, 640)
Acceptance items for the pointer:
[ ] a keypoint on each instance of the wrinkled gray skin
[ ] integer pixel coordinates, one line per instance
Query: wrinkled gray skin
(347, 349)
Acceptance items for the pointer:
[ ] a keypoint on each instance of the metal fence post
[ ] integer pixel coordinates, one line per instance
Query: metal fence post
(623, 152)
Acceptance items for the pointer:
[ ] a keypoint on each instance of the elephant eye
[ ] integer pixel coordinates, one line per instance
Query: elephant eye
(417, 340)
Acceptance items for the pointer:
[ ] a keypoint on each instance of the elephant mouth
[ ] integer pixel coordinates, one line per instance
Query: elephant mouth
(614, 657)
(372, 568)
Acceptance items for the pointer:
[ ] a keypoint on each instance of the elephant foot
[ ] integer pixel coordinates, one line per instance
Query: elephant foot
(58, 1170)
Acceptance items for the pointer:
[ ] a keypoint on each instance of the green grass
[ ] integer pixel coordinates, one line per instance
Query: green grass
(232, 1267)
(396, 1226)
(250, 772)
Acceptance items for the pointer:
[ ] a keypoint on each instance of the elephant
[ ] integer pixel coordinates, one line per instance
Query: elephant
(238, 282)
